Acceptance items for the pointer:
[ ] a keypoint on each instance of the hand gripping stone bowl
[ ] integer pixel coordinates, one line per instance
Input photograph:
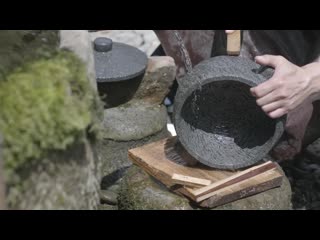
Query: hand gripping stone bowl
(218, 121)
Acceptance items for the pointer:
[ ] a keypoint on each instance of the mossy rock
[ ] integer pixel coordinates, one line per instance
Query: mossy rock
(47, 104)
(20, 46)
(62, 180)
(133, 121)
(49, 114)
(141, 192)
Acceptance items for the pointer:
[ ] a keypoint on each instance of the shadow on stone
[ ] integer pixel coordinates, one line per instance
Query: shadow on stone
(110, 179)
(114, 94)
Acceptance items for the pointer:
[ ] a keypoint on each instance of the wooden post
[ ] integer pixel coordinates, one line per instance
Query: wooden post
(2, 185)
(234, 43)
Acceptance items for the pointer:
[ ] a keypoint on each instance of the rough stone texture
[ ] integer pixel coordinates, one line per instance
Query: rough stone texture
(140, 191)
(133, 121)
(157, 81)
(62, 181)
(79, 42)
(217, 120)
(313, 150)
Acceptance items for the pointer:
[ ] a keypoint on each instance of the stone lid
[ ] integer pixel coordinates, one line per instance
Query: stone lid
(116, 62)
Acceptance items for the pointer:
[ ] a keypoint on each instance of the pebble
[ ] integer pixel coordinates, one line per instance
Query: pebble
(108, 197)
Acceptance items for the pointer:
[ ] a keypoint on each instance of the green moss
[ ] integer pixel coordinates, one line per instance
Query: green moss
(20, 46)
(132, 195)
(45, 105)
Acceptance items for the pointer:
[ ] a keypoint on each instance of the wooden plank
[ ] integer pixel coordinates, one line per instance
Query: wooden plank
(249, 173)
(252, 188)
(234, 43)
(159, 160)
(241, 190)
(189, 181)
(270, 174)
(162, 159)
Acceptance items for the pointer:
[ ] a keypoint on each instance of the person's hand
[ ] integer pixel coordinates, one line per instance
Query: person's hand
(288, 88)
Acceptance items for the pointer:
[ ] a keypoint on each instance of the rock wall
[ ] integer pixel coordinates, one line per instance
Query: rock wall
(49, 117)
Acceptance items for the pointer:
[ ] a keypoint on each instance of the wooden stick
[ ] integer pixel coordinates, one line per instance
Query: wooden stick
(216, 192)
(234, 43)
(190, 181)
(249, 173)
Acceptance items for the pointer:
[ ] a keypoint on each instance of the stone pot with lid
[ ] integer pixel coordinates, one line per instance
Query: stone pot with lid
(119, 70)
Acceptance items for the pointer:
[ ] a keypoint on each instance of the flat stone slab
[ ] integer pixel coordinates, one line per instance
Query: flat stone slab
(133, 121)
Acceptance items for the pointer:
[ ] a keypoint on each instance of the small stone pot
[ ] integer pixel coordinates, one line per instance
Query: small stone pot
(218, 121)
(119, 70)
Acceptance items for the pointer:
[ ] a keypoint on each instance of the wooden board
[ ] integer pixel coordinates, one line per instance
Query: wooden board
(162, 159)
(233, 179)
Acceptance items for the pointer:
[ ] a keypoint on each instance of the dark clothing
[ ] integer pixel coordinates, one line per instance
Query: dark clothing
(298, 46)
